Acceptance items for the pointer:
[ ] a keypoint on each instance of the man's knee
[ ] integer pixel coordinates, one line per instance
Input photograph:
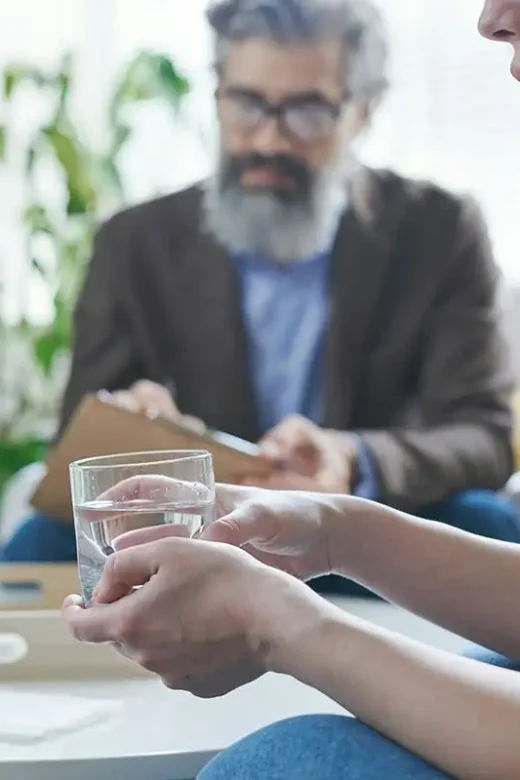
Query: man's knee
(42, 540)
(493, 659)
(480, 512)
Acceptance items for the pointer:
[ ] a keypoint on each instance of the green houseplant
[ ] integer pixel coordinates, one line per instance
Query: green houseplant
(59, 234)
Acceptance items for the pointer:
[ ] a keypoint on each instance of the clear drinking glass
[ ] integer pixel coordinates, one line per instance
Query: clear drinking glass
(119, 493)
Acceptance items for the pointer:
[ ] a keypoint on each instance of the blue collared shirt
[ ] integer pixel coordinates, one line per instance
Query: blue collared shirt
(286, 314)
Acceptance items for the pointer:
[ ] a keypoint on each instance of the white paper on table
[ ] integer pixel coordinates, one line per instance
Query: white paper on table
(27, 717)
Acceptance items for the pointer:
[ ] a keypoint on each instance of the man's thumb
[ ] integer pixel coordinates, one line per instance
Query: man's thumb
(270, 449)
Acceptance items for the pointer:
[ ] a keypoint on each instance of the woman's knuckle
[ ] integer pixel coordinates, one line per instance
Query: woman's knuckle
(77, 633)
(176, 682)
(256, 508)
(148, 660)
(109, 569)
(127, 629)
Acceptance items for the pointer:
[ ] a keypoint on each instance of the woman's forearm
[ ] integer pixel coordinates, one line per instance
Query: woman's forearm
(459, 715)
(465, 583)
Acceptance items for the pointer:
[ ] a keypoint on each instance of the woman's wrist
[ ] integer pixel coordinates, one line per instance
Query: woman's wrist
(295, 617)
(308, 644)
(341, 518)
(352, 527)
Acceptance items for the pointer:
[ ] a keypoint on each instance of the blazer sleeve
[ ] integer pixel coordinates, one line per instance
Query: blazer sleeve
(103, 354)
(461, 437)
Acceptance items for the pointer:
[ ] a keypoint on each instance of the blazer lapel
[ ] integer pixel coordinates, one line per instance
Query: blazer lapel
(359, 265)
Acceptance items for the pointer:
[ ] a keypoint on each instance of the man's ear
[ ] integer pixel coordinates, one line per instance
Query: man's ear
(357, 119)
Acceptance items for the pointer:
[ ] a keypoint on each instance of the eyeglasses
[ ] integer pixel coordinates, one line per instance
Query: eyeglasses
(304, 120)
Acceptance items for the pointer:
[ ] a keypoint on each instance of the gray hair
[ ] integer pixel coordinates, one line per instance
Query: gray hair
(357, 22)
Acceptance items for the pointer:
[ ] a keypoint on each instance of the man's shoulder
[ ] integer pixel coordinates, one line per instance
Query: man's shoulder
(403, 193)
(166, 215)
(428, 218)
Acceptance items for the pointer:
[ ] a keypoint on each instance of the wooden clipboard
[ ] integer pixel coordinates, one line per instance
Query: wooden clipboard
(99, 428)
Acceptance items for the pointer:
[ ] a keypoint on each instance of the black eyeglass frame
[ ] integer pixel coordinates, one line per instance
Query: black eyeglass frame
(278, 111)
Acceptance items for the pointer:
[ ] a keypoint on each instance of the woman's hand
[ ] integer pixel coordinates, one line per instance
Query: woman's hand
(206, 618)
(294, 532)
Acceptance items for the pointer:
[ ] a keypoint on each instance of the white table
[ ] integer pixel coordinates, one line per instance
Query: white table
(160, 735)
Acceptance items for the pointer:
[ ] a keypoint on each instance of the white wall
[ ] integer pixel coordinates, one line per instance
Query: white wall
(454, 112)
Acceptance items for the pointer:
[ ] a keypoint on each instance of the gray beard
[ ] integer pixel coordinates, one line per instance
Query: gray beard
(263, 225)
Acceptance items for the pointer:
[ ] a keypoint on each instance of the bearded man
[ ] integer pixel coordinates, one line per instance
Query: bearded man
(342, 317)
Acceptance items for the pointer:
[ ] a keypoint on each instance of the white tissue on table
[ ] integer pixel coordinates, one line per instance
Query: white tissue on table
(27, 717)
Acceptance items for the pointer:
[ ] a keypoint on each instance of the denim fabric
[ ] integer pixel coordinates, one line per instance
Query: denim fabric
(318, 747)
(326, 747)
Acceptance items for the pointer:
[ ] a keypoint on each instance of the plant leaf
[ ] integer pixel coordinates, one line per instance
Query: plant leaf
(17, 73)
(173, 85)
(121, 135)
(15, 455)
(73, 260)
(55, 340)
(135, 84)
(36, 220)
(73, 159)
(13, 75)
(48, 346)
(113, 177)
(64, 83)
(147, 77)
(67, 66)
(3, 142)
(32, 156)
(38, 267)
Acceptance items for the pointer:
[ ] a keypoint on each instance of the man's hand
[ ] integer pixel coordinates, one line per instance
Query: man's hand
(153, 400)
(205, 617)
(313, 459)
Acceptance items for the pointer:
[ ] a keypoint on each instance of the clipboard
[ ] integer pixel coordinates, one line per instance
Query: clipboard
(100, 428)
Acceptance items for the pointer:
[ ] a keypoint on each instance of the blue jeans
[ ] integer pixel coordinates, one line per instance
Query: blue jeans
(480, 512)
(324, 747)
(40, 540)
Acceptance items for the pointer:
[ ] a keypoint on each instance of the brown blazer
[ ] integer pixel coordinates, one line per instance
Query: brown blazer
(415, 361)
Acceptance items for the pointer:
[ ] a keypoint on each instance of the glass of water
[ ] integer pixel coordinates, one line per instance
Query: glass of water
(116, 494)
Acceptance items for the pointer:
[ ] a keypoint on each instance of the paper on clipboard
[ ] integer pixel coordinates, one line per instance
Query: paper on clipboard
(99, 428)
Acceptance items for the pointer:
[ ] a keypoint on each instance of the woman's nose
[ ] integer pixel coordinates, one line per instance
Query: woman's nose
(500, 20)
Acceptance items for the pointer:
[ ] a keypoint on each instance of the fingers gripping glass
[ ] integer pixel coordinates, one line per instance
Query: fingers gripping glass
(305, 120)
(118, 494)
